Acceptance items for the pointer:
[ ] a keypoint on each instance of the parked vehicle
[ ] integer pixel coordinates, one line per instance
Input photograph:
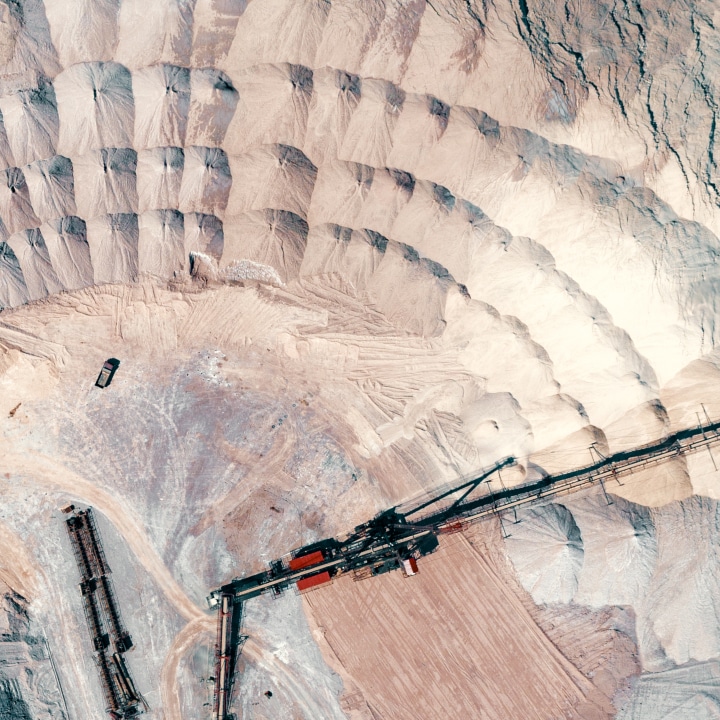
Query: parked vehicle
(106, 374)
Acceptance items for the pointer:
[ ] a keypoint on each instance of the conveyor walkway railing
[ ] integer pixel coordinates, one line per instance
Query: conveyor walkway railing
(387, 539)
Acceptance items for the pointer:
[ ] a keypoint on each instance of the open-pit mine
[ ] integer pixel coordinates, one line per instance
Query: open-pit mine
(359, 360)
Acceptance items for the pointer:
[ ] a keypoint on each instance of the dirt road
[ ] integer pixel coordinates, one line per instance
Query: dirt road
(48, 472)
(201, 628)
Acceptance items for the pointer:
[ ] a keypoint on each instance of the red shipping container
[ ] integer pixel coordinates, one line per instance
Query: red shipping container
(313, 558)
(313, 581)
(409, 566)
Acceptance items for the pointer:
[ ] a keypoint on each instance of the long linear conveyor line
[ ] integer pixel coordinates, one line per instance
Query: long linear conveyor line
(103, 617)
(393, 532)
(610, 468)
(395, 540)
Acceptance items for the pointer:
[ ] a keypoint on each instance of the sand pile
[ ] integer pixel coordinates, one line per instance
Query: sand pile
(663, 563)
(348, 253)
(552, 553)
(188, 141)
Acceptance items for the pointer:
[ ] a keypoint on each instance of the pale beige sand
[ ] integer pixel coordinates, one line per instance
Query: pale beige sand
(425, 236)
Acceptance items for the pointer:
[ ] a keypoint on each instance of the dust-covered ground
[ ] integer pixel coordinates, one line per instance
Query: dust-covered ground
(347, 254)
(218, 447)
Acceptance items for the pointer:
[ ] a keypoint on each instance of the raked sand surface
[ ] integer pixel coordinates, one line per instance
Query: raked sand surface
(348, 253)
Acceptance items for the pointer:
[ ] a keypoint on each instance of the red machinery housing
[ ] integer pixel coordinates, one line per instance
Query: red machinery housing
(313, 581)
(313, 558)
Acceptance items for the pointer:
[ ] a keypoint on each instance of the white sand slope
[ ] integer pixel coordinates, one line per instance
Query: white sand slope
(663, 563)
(319, 127)
(465, 230)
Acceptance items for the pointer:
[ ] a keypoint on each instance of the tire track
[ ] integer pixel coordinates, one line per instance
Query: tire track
(277, 456)
(187, 638)
(47, 472)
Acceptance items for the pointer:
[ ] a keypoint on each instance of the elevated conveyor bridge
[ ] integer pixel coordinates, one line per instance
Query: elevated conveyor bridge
(394, 539)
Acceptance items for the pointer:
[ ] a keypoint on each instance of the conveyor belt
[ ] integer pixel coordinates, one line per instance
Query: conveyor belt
(383, 542)
(103, 616)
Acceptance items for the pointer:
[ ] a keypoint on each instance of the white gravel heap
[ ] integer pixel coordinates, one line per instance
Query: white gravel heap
(664, 563)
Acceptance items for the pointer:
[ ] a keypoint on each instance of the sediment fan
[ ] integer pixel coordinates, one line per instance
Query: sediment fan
(411, 237)
(126, 128)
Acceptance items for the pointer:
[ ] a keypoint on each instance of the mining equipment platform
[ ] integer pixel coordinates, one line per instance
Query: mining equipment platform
(107, 372)
(396, 539)
(109, 636)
